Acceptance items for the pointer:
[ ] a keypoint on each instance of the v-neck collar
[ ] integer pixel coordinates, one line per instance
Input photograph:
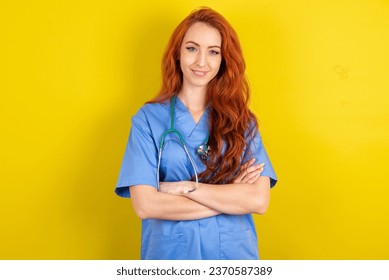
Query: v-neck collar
(187, 125)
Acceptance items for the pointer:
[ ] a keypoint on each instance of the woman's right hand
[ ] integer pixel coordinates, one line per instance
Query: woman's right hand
(249, 172)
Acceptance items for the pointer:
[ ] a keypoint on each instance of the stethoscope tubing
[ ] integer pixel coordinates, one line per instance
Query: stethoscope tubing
(180, 141)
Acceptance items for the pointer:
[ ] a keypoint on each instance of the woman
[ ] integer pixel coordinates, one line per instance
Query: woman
(204, 96)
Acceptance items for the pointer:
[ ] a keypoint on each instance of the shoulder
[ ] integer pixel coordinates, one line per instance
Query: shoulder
(150, 113)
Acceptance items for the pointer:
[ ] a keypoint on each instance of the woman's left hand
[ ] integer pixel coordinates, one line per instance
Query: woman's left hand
(178, 188)
(249, 172)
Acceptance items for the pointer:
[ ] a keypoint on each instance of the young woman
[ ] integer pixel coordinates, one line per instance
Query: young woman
(196, 197)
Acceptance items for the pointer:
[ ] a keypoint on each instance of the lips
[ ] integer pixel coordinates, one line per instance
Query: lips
(199, 73)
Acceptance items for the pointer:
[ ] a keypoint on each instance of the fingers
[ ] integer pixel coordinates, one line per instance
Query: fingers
(253, 179)
(247, 164)
(176, 188)
(249, 172)
(243, 169)
(255, 168)
(168, 187)
(239, 178)
(253, 171)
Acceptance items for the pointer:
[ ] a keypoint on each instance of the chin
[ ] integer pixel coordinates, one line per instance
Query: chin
(201, 85)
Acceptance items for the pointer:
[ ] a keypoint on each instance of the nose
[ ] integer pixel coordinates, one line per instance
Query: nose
(201, 59)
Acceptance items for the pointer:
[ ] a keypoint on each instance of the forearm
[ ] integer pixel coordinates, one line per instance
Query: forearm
(237, 198)
(151, 204)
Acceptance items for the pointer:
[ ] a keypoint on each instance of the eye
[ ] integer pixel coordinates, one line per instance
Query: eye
(214, 52)
(191, 49)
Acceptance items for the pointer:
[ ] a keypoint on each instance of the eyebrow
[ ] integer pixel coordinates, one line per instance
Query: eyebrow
(191, 42)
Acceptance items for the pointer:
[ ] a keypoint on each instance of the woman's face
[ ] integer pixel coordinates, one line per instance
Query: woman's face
(200, 55)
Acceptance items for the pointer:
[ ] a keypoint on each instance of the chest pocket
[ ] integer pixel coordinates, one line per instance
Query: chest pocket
(175, 164)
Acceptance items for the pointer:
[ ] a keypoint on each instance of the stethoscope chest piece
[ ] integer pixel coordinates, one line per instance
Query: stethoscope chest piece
(203, 151)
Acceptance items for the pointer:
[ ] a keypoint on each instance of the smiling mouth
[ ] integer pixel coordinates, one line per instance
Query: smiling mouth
(199, 73)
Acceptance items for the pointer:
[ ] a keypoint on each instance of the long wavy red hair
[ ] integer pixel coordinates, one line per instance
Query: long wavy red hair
(230, 120)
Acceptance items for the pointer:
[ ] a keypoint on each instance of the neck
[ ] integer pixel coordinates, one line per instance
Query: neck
(193, 99)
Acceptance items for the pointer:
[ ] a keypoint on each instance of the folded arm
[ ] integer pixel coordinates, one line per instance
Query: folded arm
(238, 198)
(149, 203)
(248, 194)
(235, 198)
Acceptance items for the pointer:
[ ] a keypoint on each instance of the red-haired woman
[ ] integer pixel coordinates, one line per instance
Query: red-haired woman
(194, 165)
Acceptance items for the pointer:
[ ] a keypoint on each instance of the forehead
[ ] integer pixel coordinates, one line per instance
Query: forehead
(203, 34)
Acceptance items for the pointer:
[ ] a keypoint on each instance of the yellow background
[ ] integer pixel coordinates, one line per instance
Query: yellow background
(74, 72)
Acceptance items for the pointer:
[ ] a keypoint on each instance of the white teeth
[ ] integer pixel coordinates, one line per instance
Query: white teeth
(198, 73)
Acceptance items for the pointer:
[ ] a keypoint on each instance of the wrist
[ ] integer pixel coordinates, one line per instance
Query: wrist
(192, 187)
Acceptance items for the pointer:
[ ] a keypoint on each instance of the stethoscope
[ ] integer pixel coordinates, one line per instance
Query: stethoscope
(202, 150)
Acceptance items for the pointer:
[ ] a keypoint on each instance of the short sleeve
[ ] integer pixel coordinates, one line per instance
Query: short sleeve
(139, 166)
(257, 151)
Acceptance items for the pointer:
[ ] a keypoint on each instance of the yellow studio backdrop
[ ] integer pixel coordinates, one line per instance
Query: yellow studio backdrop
(74, 72)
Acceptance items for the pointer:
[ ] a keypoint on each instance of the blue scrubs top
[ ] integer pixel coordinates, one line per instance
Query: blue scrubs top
(220, 237)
